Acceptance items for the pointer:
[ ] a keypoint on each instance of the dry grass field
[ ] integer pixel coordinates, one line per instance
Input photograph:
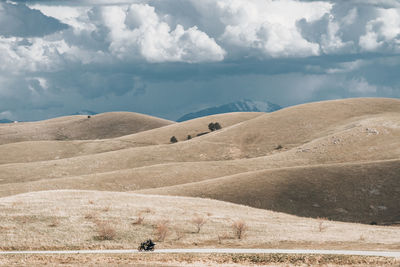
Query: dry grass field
(196, 260)
(65, 182)
(72, 219)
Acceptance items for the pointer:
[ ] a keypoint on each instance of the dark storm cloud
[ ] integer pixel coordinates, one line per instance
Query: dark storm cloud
(168, 57)
(21, 21)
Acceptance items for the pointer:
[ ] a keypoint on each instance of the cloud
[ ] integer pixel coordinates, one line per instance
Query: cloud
(137, 31)
(270, 26)
(19, 20)
(166, 57)
(383, 32)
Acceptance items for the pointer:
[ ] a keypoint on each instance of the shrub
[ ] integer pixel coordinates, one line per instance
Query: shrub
(139, 220)
(198, 222)
(239, 228)
(189, 137)
(105, 231)
(279, 147)
(173, 139)
(54, 222)
(321, 224)
(222, 237)
(162, 230)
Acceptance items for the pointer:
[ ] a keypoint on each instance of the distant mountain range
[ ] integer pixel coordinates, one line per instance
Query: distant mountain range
(245, 105)
(5, 121)
(85, 112)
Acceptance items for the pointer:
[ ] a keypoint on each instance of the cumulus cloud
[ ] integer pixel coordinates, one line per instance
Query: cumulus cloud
(270, 26)
(382, 32)
(57, 57)
(137, 31)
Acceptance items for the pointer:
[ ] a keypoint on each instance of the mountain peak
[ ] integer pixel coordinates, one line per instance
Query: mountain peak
(245, 105)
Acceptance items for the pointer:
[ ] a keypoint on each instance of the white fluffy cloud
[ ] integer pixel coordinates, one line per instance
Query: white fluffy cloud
(384, 31)
(270, 26)
(138, 31)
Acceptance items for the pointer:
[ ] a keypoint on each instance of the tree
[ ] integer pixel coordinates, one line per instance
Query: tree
(173, 139)
(214, 126)
(239, 228)
(198, 222)
(189, 137)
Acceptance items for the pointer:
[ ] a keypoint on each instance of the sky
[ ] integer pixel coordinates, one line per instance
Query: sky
(169, 57)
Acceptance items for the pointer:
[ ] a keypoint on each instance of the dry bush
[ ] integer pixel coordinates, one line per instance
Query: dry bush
(321, 224)
(91, 202)
(138, 221)
(162, 230)
(179, 233)
(223, 236)
(54, 222)
(106, 209)
(146, 210)
(239, 228)
(198, 221)
(105, 231)
(90, 216)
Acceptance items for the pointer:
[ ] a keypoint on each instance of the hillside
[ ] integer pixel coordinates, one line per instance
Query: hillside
(75, 219)
(80, 127)
(30, 151)
(362, 192)
(255, 159)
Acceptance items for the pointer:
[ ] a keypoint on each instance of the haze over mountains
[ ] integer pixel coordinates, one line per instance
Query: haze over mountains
(245, 105)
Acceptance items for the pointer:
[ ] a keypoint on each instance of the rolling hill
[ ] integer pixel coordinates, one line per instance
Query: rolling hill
(80, 127)
(336, 159)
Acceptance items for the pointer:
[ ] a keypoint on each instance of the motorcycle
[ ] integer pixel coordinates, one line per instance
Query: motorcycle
(146, 246)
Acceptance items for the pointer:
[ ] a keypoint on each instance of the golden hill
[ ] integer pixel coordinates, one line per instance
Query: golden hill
(361, 192)
(80, 127)
(247, 162)
(359, 138)
(51, 150)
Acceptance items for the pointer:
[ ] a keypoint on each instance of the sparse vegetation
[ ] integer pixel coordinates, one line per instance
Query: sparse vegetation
(54, 222)
(104, 230)
(139, 220)
(198, 221)
(321, 224)
(162, 230)
(278, 147)
(189, 137)
(173, 139)
(223, 236)
(239, 228)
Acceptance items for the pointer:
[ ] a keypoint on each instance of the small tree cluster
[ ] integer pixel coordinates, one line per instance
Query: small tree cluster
(214, 126)
(173, 139)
